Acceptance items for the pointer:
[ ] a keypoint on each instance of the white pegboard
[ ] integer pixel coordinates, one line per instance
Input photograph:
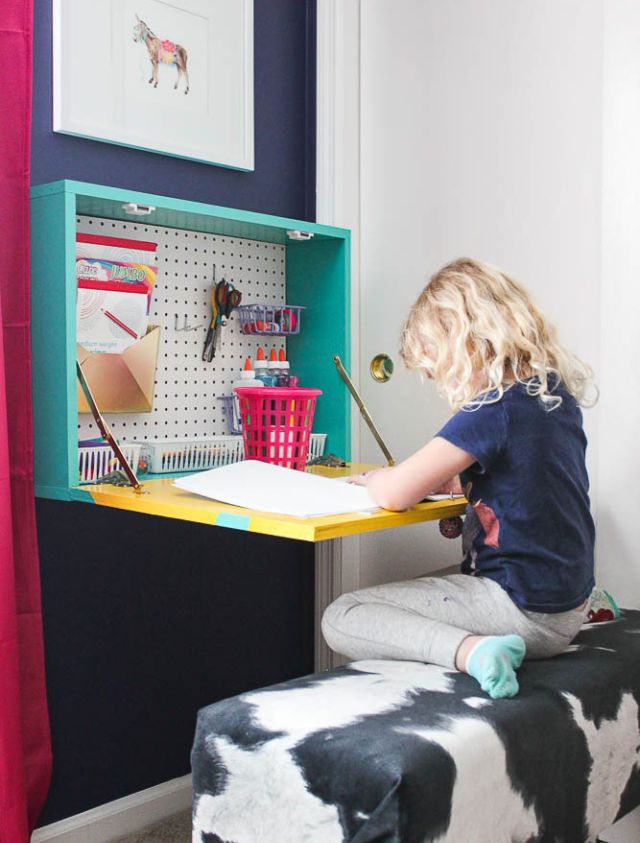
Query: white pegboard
(186, 401)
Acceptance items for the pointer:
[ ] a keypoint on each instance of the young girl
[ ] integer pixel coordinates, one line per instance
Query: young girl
(517, 444)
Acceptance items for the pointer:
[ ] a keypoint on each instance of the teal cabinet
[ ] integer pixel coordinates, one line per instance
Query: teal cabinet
(316, 277)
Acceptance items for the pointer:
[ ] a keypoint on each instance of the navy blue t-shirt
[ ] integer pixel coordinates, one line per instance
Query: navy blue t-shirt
(528, 524)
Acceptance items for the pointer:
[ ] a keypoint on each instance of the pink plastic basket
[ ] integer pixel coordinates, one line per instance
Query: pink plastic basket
(276, 423)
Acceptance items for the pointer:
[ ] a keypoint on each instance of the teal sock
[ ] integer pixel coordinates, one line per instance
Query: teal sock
(494, 661)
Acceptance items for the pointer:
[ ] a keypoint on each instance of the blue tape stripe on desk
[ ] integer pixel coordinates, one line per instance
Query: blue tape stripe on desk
(236, 522)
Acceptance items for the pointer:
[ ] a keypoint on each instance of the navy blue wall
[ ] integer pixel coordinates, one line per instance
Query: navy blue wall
(284, 176)
(148, 619)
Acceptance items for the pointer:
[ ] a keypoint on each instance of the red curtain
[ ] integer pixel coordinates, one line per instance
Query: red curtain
(25, 755)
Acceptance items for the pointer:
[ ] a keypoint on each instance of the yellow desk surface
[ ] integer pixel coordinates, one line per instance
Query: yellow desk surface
(162, 498)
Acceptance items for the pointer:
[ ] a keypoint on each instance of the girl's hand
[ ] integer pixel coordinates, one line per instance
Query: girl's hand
(361, 479)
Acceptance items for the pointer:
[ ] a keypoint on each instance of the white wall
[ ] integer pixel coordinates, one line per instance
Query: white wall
(619, 443)
(510, 130)
(481, 135)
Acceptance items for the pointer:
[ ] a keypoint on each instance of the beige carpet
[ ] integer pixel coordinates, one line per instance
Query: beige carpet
(176, 829)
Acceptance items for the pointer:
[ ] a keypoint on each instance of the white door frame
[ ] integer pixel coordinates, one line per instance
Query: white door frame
(338, 203)
(338, 146)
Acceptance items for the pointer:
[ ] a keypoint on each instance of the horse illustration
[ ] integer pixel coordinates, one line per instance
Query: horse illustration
(161, 51)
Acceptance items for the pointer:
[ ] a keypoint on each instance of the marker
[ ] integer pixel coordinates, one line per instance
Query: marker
(120, 324)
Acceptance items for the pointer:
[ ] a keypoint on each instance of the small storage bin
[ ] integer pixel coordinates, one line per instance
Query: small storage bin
(276, 424)
(172, 456)
(270, 319)
(316, 445)
(94, 461)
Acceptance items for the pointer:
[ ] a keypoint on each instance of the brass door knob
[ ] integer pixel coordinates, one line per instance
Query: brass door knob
(381, 368)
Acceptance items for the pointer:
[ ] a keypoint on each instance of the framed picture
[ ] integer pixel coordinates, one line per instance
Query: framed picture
(170, 77)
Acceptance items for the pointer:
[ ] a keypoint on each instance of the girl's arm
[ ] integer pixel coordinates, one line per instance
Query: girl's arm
(403, 485)
(451, 487)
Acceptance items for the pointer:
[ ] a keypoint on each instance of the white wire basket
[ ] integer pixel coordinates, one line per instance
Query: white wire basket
(172, 455)
(94, 461)
(316, 445)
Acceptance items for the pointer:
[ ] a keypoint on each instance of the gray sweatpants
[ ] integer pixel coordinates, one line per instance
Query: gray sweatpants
(426, 620)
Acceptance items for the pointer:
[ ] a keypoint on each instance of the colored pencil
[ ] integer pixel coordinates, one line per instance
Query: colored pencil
(120, 324)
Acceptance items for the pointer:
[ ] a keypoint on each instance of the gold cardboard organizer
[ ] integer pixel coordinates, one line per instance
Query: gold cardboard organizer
(121, 383)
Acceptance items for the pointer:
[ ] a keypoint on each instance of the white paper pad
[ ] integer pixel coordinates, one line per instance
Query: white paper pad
(270, 488)
(447, 497)
(97, 330)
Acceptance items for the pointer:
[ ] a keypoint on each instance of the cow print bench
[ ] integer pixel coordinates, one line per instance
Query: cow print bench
(409, 752)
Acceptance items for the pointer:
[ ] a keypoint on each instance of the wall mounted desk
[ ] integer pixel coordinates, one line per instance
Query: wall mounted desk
(160, 497)
(315, 274)
(147, 619)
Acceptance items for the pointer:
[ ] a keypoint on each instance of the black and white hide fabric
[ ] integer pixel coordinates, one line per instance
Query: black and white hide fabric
(408, 752)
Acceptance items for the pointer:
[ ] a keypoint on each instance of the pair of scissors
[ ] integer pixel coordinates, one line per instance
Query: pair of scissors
(224, 300)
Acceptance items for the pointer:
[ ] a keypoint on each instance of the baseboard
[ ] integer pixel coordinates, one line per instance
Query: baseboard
(123, 816)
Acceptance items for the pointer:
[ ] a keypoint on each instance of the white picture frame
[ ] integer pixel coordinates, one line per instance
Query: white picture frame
(167, 76)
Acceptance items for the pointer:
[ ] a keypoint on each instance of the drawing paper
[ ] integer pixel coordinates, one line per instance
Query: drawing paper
(271, 488)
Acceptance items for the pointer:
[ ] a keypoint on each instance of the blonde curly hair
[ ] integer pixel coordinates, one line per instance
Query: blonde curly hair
(475, 331)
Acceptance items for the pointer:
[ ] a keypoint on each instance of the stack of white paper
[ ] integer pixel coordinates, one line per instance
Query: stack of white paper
(270, 488)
